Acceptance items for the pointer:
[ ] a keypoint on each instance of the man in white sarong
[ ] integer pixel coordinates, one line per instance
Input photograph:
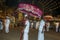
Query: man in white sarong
(26, 29)
(47, 26)
(31, 23)
(57, 26)
(7, 23)
(1, 25)
(37, 24)
(41, 32)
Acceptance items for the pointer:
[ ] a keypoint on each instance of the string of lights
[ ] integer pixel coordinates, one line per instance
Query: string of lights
(50, 4)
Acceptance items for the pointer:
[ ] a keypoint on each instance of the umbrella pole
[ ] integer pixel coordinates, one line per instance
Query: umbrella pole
(21, 33)
(21, 36)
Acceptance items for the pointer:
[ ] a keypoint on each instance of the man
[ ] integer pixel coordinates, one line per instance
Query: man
(37, 24)
(31, 23)
(13, 21)
(41, 32)
(57, 26)
(47, 26)
(7, 23)
(1, 25)
(26, 29)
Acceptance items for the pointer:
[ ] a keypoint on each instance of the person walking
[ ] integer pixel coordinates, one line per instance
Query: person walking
(31, 23)
(47, 26)
(7, 23)
(57, 26)
(40, 31)
(37, 24)
(1, 25)
(26, 29)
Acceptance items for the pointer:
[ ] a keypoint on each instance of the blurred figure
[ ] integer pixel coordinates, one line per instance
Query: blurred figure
(57, 26)
(13, 21)
(41, 30)
(34, 24)
(31, 23)
(26, 29)
(47, 25)
(7, 23)
(1, 25)
(37, 24)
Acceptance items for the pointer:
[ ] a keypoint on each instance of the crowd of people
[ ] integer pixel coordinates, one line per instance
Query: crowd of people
(5, 24)
(40, 25)
(25, 31)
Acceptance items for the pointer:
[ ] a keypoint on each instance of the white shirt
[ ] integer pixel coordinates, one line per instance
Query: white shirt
(42, 24)
(7, 21)
(57, 24)
(27, 26)
(37, 24)
(48, 24)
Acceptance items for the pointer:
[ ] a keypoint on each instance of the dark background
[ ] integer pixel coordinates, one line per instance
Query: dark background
(13, 3)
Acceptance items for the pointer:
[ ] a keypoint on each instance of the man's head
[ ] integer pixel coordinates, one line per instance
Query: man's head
(25, 16)
(42, 17)
(7, 17)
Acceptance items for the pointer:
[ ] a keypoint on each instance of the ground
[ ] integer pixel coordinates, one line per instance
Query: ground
(33, 35)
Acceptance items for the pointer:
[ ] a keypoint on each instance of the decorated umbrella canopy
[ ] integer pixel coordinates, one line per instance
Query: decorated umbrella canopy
(48, 17)
(30, 9)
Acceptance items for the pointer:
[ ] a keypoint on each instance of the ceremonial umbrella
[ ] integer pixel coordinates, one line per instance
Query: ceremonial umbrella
(48, 17)
(30, 9)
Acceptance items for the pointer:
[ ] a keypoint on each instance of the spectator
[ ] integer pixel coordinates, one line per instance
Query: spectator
(7, 23)
(1, 25)
(41, 29)
(26, 29)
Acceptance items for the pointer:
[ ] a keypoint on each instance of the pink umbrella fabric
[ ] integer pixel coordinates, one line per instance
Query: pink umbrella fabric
(30, 9)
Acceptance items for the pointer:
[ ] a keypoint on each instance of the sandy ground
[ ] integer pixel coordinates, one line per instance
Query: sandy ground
(33, 35)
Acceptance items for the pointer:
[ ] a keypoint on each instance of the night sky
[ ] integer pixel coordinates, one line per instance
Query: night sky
(11, 3)
(15, 2)
(56, 12)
